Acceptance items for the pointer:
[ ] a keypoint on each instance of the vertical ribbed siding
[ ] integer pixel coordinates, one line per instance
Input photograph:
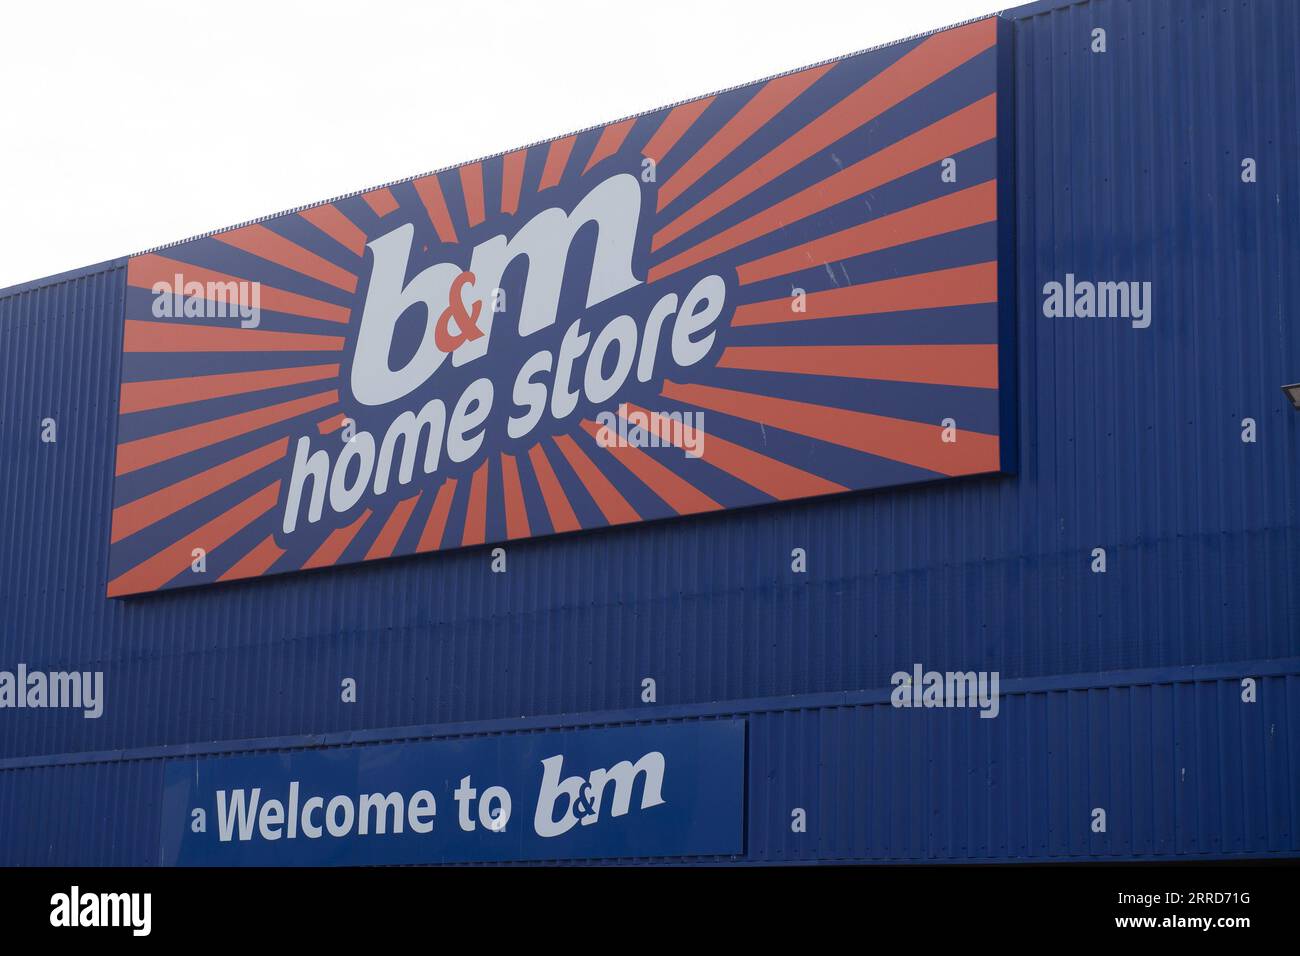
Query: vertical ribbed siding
(59, 354)
(1129, 166)
(94, 814)
(1127, 169)
(1183, 770)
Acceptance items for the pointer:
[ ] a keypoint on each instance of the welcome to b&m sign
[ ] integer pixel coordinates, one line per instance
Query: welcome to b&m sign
(785, 290)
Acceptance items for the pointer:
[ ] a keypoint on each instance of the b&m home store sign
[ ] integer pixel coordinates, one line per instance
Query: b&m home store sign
(626, 324)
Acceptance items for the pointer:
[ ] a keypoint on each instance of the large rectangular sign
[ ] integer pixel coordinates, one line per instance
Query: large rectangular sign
(788, 289)
(660, 790)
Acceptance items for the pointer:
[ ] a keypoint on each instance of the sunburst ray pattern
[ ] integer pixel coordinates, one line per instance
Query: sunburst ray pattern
(853, 212)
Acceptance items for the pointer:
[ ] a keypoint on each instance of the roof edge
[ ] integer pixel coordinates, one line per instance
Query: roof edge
(1035, 8)
(60, 277)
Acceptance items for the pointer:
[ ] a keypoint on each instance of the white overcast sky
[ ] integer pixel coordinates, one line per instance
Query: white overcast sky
(130, 124)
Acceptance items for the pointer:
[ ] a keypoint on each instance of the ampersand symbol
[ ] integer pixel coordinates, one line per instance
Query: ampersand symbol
(582, 804)
(466, 322)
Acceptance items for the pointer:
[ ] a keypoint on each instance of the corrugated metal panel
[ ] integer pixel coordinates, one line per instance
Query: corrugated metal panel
(1183, 770)
(59, 350)
(92, 814)
(1127, 169)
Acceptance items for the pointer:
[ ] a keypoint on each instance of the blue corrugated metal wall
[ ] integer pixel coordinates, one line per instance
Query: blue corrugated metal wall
(1128, 167)
(1183, 770)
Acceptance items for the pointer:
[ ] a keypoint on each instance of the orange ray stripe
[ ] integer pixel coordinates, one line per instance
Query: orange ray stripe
(967, 127)
(679, 494)
(513, 492)
(964, 285)
(142, 452)
(262, 242)
(392, 530)
(915, 70)
(968, 366)
(512, 178)
(611, 138)
(612, 505)
(145, 270)
(557, 157)
(471, 184)
(168, 392)
(156, 571)
(336, 543)
(381, 201)
(775, 96)
(768, 475)
(330, 220)
(131, 517)
(961, 210)
(430, 193)
(557, 503)
(256, 562)
(674, 126)
(142, 336)
(476, 509)
(332, 424)
(431, 536)
(914, 443)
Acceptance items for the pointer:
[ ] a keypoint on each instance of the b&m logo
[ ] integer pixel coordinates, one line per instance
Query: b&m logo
(569, 372)
(785, 290)
(662, 790)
